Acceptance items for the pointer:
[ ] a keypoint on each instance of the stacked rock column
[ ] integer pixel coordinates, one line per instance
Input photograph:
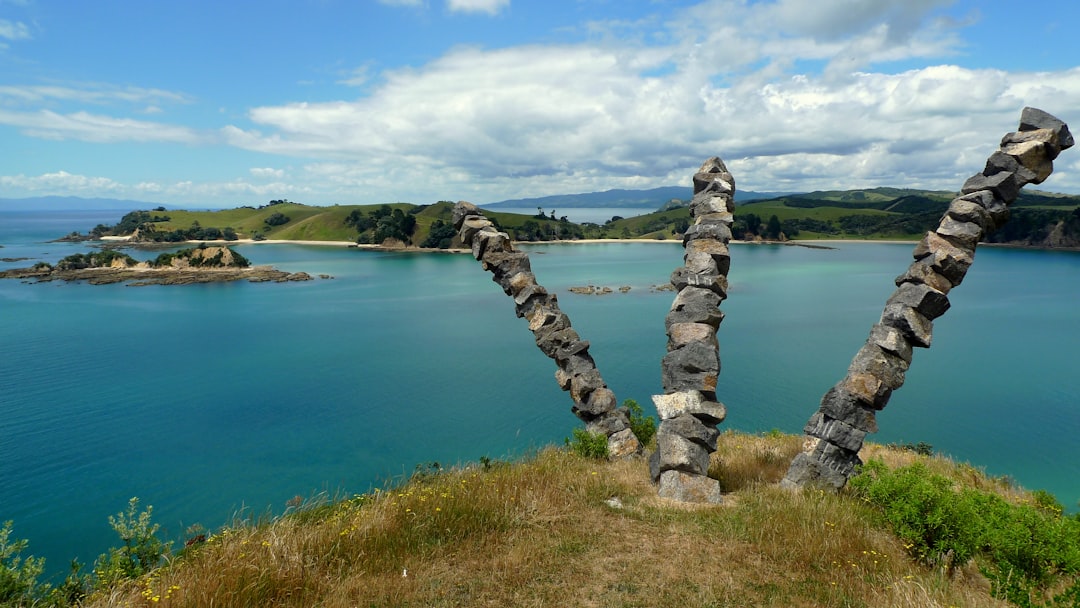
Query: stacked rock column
(688, 408)
(834, 435)
(594, 402)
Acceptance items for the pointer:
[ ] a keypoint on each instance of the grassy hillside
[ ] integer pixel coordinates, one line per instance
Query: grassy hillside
(562, 530)
(1039, 219)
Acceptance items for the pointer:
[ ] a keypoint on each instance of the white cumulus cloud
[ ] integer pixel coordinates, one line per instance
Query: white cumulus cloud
(491, 7)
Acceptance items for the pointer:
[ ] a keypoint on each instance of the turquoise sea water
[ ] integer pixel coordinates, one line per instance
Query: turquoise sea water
(209, 401)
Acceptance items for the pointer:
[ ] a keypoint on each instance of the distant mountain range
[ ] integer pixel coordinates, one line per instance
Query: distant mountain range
(653, 198)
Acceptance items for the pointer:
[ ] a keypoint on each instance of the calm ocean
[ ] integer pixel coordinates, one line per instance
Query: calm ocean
(214, 401)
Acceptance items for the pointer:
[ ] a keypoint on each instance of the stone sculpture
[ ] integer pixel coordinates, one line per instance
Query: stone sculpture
(834, 435)
(594, 402)
(688, 408)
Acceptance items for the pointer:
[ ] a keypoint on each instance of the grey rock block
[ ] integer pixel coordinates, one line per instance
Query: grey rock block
(695, 403)
(719, 232)
(916, 328)
(1005, 185)
(462, 210)
(683, 277)
(922, 271)
(928, 301)
(691, 427)
(695, 305)
(1032, 119)
(684, 487)
(890, 340)
(844, 405)
(717, 250)
(944, 257)
(836, 432)
(680, 454)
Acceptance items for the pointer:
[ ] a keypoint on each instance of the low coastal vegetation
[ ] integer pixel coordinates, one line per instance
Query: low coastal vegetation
(1038, 220)
(561, 529)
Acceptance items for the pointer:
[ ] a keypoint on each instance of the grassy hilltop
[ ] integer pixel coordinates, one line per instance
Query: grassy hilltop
(561, 529)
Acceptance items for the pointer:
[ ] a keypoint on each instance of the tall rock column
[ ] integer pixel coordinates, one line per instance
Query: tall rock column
(688, 408)
(594, 402)
(834, 435)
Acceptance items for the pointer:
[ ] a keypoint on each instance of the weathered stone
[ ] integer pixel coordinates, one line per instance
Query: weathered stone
(945, 258)
(821, 465)
(569, 350)
(726, 218)
(868, 388)
(517, 283)
(890, 340)
(490, 240)
(527, 292)
(1035, 155)
(1000, 162)
(712, 168)
(715, 249)
(680, 454)
(720, 232)
(997, 208)
(836, 432)
(577, 364)
(695, 305)
(684, 487)
(538, 301)
(691, 427)
(853, 409)
(967, 211)
(922, 271)
(689, 402)
(965, 235)
(873, 360)
(1004, 184)
(692, 367)
(549, 319)
(607, 422)
(654, 466)
(563, 378)
(622, 444)
(506, 264)
(700, 262)
(471, 225)
(916, 328)
(711, 202)
(683, 277)
(462, 210)
(928, 301)
(599, 403)
(583, 385)
(681, 334)
(1033, 119)
(550, 343)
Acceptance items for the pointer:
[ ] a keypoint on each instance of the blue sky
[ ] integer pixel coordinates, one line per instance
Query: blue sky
(211, 104)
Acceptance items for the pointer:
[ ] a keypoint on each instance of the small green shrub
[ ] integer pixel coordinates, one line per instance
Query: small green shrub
(588, 445)
(1019, 548)
(18, 575)
(644, 426)
(142, 550)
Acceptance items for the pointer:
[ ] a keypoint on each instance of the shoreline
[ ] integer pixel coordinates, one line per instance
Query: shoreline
(811, 243)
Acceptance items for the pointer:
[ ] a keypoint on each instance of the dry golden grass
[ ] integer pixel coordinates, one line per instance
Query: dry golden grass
(544, 533)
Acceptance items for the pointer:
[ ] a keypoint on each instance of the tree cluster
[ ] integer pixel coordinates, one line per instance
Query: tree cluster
(381, 224)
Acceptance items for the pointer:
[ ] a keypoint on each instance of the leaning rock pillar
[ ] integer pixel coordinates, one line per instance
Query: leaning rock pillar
(594, 402)
(688, 408)
(834, 435)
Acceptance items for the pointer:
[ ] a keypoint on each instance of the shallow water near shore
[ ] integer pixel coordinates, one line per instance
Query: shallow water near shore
(209, 401)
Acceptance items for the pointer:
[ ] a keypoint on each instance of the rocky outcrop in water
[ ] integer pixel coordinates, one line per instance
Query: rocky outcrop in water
(835, 433)
(688, 409)
(594, 402)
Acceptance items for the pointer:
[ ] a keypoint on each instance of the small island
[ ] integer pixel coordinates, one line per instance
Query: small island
(202, 264)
